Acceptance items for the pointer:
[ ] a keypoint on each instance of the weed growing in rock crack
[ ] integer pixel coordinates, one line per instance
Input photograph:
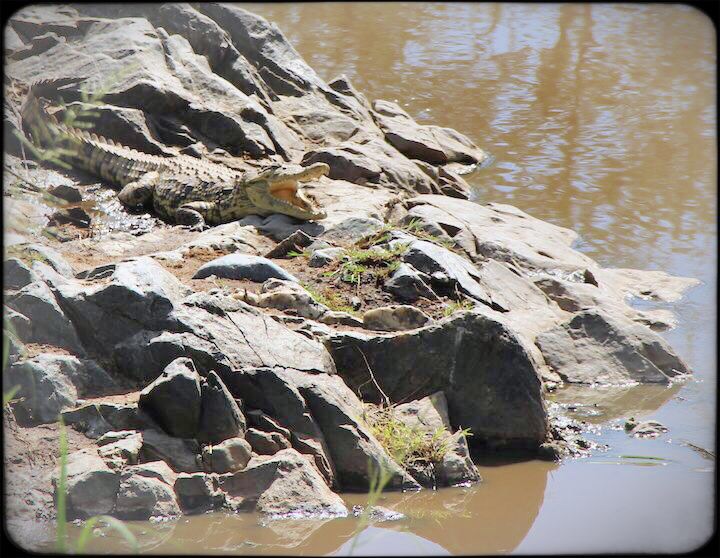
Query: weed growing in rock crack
(409, 446)
(458, 306)
(357, 264)
(330, 299)
(299, 254)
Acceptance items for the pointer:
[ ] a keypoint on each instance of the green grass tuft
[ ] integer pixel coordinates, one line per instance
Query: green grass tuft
(458, 306)
(330, 299)
(409, 446)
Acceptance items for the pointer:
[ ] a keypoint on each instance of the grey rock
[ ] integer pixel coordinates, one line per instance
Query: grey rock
(354, 450)
(76, 216)
(140, 295)
(92, 487)
(220, 417)
(395, 318)
(48, 323)
(407, 284)
(288, 295)
(207, 38)
(183, 456)
(352, 229)
(243, 266)
(373, 162)
(283, 485)
(220, 333)
(432, 144)
(335, 317)
(267, 390)
(574, 297)
(645, 429)
(17, 275)
(487, 372)
(146, 491)
(174, 399)
(279, 227)
(447, 182)
(50, 383)
(326, 256)
(346, 164)
(598, 347)
(196, 494)
(120, 453)
(228, 456)
(321, 125)
(430, 259)
(97, 419)
(114, 436)
(264, 422)
(266, 443)
(18, 327)
(40, 252)
(295, 242)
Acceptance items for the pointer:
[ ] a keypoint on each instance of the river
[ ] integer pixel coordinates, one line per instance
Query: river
(600, 118)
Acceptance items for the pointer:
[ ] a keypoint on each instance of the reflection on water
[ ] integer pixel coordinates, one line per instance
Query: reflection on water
(601, 118)
(497, 515)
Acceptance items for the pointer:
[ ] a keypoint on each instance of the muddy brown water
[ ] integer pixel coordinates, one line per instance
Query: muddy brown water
(601, 118)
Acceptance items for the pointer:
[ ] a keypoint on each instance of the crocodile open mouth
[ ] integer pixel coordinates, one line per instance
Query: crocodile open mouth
(286, 191)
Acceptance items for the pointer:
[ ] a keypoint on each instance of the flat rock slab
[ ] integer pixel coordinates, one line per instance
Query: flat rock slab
(244, 266)
(595, 347)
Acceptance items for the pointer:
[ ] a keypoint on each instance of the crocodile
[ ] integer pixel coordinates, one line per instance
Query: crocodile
(181, 189)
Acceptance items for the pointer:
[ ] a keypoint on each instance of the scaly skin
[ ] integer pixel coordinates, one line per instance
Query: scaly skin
(181, 189)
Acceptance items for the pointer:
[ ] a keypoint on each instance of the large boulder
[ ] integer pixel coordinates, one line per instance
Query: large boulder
(174, 399)
(147, 491)
(139, 295)
(487, 372)
(48, 323)
(506, 234)
(92, 486)
(220, 415)
(51, 383)
(224, 334)
(284, 485)
(595, 347)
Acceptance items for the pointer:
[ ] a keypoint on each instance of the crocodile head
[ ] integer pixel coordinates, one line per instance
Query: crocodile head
(277, 190)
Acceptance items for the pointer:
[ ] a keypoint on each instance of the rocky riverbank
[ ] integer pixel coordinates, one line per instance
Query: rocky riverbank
(252, 366)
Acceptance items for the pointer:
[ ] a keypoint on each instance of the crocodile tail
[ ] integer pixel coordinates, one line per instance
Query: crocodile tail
(39, 125)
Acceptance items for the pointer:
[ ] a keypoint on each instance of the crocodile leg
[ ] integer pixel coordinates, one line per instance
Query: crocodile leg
(194, 214)
(140, 191)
